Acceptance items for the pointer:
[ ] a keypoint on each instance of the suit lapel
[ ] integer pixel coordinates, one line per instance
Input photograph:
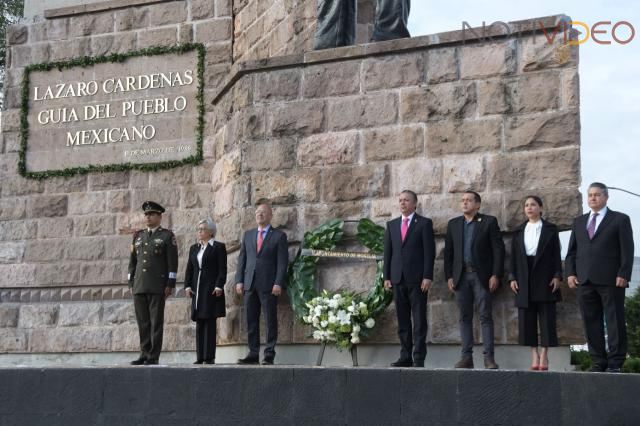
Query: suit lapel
(545, 236)
(412, 225)
(605, 221)
(253, 240)
(478, 220)
(207, 251)
(266, 238)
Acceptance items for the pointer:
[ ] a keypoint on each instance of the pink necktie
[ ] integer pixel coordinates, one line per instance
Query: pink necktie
(404, 228)
(591, 229)
(260, 239)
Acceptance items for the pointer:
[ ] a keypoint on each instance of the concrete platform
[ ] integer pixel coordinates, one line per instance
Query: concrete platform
(509, 357)
(283, 395)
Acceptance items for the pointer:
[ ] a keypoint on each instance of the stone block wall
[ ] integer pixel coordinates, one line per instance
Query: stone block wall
(336, 133)
(342, 135)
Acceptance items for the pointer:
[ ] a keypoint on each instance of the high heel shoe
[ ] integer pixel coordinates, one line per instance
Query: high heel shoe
(534, 367)
(543, 367)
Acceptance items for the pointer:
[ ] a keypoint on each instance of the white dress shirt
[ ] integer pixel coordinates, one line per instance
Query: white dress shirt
(410, 217)
(532, 237)
(601, 215)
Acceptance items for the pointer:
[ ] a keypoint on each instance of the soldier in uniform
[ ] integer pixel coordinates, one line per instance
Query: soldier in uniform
(152, 277)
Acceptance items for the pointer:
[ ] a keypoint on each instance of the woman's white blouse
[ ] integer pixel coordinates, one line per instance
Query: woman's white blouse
(532, 237)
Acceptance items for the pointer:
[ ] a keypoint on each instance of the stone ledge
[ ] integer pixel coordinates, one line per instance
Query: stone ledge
(304, 395)
(96, 7)
(70, 294)
(462, 37)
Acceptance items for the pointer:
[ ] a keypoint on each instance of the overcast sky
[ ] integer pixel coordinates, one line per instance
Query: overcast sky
(609, 83)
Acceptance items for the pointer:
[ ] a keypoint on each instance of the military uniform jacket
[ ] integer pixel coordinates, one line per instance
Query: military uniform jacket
(153, 263)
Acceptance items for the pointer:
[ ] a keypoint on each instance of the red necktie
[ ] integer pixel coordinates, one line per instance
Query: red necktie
(404, 228)
(260, 239)
(591, 229)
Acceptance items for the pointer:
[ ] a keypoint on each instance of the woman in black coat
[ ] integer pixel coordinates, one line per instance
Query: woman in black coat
(204, 282)
(536, 273)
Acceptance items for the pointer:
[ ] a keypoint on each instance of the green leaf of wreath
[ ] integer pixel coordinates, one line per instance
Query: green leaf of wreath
(301, 280)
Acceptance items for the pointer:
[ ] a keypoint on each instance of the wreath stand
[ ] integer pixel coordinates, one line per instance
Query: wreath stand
(353, 350)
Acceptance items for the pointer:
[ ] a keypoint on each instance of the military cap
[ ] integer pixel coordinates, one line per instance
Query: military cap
(150, 206)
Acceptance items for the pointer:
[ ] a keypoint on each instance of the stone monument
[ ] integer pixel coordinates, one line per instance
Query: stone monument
(217, 104)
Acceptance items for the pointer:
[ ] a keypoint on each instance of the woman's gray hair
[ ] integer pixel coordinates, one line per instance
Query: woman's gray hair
(210, 224)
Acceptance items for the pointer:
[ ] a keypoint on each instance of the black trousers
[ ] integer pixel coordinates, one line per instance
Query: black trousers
(598, 302)
(411, 304)
(545, 313)
(471, 291)
(206, 339)
(150, 318)
(254, 302)
(336, 25)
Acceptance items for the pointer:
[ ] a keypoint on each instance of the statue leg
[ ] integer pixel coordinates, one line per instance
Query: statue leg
(391, 20)
(336, 25)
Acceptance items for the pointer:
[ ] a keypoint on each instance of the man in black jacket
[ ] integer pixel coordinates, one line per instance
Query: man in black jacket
(409, 253)
(260, 277)
(473, 265)
(599, 263)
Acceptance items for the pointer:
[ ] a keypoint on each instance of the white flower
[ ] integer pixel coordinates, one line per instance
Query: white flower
(332, 318)
(355, 340)
(333, 304)
(317, 334)
(350, 308)
(343, 317)
(324, 324)
(369, 323)
(356, 329)
(316, 322)
(362, 305)
(337, 296)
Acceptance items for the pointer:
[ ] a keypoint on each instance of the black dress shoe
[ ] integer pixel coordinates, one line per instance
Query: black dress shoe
(595, 368)
(209, 361)
(138, 361)
(402, 363)
(249, 360)
(464, 363)
(267, 361)
(199, 361)
(613, 370)
(151, 362)
(419, 364)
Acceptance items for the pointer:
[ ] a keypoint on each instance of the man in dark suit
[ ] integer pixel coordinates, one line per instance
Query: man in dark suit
(409, 253)
(473, 265)
(599, 263)
(153, 265)
(260, 276)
